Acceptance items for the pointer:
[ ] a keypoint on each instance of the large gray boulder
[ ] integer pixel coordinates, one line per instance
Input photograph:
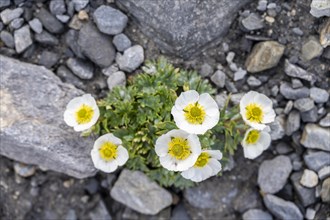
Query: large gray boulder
(183, 27)
(32, 129)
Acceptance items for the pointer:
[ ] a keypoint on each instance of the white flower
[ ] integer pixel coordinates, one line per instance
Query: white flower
(207, 165)
(178, 150)
(257, 110)
(195, 113)
(255, 142)
(81, 113)
(108, 153)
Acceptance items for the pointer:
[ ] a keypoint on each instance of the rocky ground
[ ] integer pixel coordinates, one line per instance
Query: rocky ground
(275, 47)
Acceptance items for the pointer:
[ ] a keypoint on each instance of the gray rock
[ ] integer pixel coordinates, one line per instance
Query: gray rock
(324, 172)
(292, 123)
(282, 209)
(221, 100)
(297, 72)
(80, 4)
(262, 5)
(230, 86)
(264, 55)
(57, 7)
(4, 3)
(253, 22)
(309, 179)
(121, 42)
(317, 160)
(33, 100)
(278, 128)
(7, 39)
(183, 28)
(297, 31)
(305, 195)
(325, 34)
(46, 38)
(316, 137)
(48, 59)
(24, 170)
(206, 70)
(310, 214)
(283, 148)
(16, 23)
(311, 49)
(180, 213)
(63, 18)
(325, 192)
(49, 21)
(36, 25)
(239, 74)
(296, 83)
(230, 57)
(100, 212)
(110, 70)
(320, 8)
(96, 46)
(319, 95)
(116, 79)
(80, 68)
(275, 90)
(325, 122)
(289, 93)
(137, 191)
(219, 78)
(257, 214)
(8, 15)
(253, 81)
(132, 58)
(236, 98)
(71, 40)
(67, 76)
(288, 107)
(109, 20)
(273, 174)
(22, 38)
(309, 116)
(304, 104)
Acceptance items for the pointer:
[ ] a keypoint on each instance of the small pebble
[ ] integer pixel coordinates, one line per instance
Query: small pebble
(239, 74)
(310, 214)
(253, 81)
(324, 172)
(83, 15)
(288, 107)
(270, 19)
(309, 179)
(24, 170)
(298, 31)
(36, 25)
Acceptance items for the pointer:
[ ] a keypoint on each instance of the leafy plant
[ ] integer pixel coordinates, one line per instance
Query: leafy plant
(141, 111)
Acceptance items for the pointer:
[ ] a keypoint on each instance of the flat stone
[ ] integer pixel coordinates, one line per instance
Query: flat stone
(137, 191)
(36, 25)
(311, 49)
(80, 68)
(49, 21)
(57, 7)
(325, 122)
(183, 28)
(282, 209)
(296, 83)
(109, 20)
(132, 58)
(289, 93)
(316, 137)
(325, 34)
(257, 214)
(324, 172)
(304, 104)
(292, 123)
(239, 74)
(22, 39)
(264, 55)
(253, 22)
(277, 128)
(317, 160)
(298, 72)
(48, 58)
(309, 179)
(288, 107)
(8, 15)
(96, 46)
(309, 116)
(16, 23)
(33, 100)
(273, 174)
(80, 4)
(63, 18)
(219, 78)
(320, 8)
(46, 38)
(319, 95)
(71, 40)
(110, 70)
(253, 81)
(116, 79)
(121, 42)
(305, 195)
(7, 38)
(325, 191)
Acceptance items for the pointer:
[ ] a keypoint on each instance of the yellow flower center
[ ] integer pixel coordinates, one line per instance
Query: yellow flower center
(179, 148)
(194, 113)
(202, 160)
(254, 113)
(252, 137)
(84, 114)
(108, 151)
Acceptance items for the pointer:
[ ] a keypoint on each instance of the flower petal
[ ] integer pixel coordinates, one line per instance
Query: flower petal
(186, 98)
(122, 155)
(161, 146)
